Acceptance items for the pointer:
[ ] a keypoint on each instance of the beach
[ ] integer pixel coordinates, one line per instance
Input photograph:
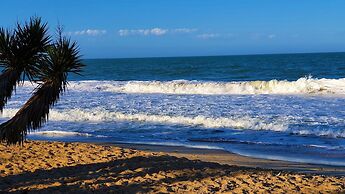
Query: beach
(60, 167)
(237, 124)
(172, 97)
(248, 105)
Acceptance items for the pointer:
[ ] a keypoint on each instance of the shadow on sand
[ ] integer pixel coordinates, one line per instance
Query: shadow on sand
(137, 174)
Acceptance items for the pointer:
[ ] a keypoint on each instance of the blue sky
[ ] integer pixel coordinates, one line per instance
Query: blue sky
(144, 28)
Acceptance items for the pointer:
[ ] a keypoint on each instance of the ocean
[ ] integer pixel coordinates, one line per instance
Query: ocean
(288, 107)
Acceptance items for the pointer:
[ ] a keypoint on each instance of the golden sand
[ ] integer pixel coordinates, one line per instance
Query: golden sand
(55, 167)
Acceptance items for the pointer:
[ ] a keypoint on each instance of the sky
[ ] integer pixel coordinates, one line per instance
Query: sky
(159, 28)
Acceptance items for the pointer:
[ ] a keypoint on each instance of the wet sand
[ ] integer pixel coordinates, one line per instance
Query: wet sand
(55, 167)
(224, 157)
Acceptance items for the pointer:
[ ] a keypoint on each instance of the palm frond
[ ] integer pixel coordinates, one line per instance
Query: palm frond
(20, 53)
(31, 42)
(62, 58)
(8, 82)
(6, 40)
(9, 76)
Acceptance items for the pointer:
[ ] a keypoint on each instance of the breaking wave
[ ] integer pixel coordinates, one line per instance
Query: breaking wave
(101, 115)
(300, 86)
(98, 115)
(305, 85)
(57, 133)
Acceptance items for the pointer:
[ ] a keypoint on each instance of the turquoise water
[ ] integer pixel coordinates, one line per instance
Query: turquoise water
(286, 107)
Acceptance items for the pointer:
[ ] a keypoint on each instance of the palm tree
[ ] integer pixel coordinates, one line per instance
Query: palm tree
(61, 58)
(20, 52)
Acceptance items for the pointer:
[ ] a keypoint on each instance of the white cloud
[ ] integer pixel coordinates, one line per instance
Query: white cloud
(154, 31)
(123, 32)
(185, 30)
(158, 31)
(143, 32)
(271, 36)
(88, 32)
(208, 35)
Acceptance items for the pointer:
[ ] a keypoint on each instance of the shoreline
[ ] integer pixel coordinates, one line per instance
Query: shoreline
(229, 158)
(74, 167)
(223, 157)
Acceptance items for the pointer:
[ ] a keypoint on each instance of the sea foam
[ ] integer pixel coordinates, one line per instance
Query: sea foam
(56, 133)
(98, 115)
(305, 85)
(300, 86)
(101, 115)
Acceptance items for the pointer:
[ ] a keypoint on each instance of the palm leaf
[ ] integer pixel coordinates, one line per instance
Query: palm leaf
(10, 75)
(62, 58)
(20, 53)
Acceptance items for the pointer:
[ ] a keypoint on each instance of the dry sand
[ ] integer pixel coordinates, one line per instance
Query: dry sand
(55, 167)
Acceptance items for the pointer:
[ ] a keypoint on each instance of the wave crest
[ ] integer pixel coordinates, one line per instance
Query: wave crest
(300, 86)
(99, 115)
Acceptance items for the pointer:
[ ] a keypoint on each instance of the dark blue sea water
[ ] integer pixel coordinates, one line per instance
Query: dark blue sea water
(218, 68)
(286, 107)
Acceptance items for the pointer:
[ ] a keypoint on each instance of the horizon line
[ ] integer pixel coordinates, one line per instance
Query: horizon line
(220, 55)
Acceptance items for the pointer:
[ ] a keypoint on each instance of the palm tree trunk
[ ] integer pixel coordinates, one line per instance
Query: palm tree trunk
(32, 115)
(8, 82)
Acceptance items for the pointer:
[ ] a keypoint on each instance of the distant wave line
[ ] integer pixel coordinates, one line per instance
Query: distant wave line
(305, 85)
